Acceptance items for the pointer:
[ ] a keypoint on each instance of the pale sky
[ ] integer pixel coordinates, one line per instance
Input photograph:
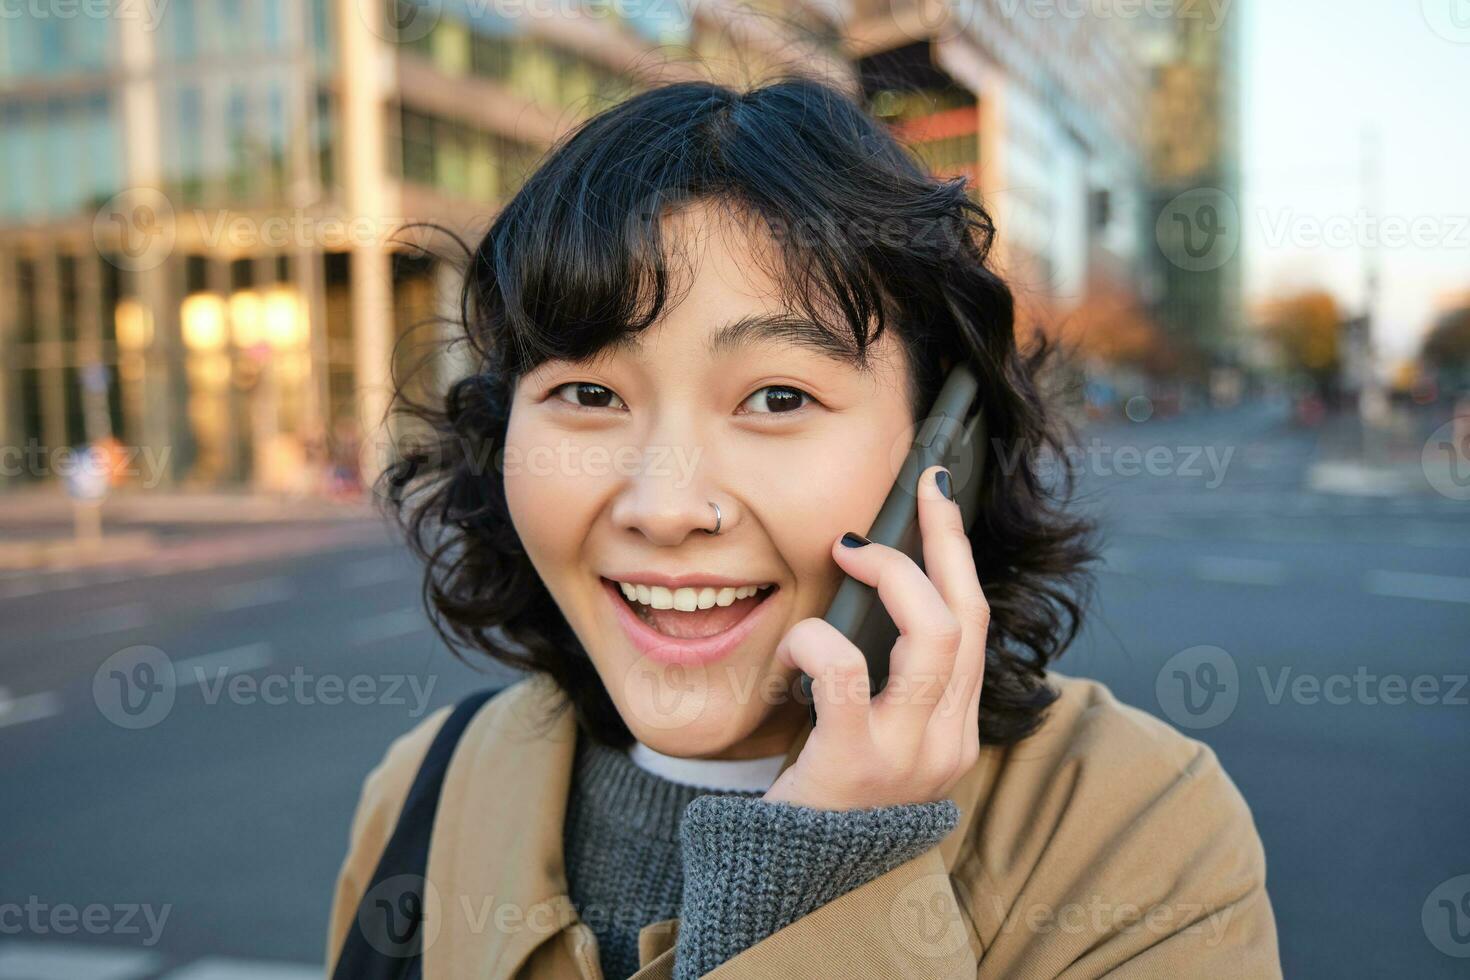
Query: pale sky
(1317, 72)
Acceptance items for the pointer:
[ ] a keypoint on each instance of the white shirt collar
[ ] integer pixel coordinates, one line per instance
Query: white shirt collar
(755, 775)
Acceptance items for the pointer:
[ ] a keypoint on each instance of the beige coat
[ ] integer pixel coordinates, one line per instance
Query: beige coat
(1107, 844)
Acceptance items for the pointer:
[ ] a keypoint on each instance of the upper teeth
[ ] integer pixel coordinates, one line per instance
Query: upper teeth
(687, 599)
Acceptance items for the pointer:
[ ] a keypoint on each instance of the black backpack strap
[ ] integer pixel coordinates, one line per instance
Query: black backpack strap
(384, 939)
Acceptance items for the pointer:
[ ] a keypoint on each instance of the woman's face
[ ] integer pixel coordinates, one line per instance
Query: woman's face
(611, 465)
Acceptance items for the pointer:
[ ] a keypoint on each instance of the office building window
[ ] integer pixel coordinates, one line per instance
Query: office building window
(47, 46)
(68, 152)
(326, 137)
(188, 145)
(456, 159)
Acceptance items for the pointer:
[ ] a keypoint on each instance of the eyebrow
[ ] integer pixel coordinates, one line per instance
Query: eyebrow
(767, 328)
(761, 328)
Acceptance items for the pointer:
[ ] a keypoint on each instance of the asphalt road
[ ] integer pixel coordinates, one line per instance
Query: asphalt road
(1264, 619)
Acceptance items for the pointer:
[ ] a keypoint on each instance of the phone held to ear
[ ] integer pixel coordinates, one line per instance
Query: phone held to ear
(953, 430)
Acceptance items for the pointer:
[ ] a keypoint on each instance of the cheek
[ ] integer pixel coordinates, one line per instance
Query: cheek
(812, 492)
(545, 499)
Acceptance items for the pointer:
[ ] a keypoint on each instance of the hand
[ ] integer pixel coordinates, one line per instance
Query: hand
(913, 742)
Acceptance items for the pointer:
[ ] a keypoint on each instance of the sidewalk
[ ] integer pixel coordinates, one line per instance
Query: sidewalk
(51, 505)
(1383, 460)
(38, 528)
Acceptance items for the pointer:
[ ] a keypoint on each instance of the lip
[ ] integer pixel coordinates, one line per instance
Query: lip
(672, 650)
(688, 580)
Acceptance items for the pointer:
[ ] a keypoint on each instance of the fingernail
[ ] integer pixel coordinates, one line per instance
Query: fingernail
(854, 540)
(941, 480)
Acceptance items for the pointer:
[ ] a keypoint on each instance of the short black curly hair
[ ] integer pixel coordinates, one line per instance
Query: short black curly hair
(574, 261)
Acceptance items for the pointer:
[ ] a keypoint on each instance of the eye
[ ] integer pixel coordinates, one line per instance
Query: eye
(588, 395)
(776, 400)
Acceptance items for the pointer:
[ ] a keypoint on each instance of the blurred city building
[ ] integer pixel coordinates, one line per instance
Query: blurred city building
(212, 240)
(1044, 110)
(208, 231)
(1194, 167)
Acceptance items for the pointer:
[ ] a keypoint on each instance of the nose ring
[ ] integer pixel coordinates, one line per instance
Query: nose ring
(718, 519)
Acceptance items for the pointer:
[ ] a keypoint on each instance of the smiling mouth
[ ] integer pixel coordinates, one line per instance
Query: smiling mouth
(695, 624)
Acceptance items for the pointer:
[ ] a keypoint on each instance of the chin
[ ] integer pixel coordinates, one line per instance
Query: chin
(681, 716)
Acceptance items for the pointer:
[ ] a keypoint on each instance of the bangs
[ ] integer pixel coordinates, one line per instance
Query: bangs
(581, 257)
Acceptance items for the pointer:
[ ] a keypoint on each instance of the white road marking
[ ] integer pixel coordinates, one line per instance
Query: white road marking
(1416, 585)
(1238, 571)
(219, 968)
(32, 707)
(60, 961)
(113, 619)
(236, 660)
(244, 595)
(389, 625)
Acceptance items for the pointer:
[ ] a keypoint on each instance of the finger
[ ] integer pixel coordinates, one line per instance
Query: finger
(972, 712)
(923, 658)
(949, 561)
(839, 674)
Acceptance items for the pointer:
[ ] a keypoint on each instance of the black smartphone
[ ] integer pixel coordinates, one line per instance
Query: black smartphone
(952, 434)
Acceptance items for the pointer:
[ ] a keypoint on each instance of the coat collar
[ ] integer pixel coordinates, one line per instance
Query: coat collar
(496, 863)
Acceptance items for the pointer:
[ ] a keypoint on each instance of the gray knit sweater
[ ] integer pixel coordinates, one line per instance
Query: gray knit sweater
(732, 867)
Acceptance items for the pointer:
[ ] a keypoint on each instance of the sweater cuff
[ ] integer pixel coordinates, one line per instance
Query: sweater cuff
(752, 867)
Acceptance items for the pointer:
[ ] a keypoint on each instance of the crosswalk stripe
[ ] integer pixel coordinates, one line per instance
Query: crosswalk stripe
(245, 595)
(25, 960)
(389, 625)
(52, 961)
(218, 968)
(1416, 585)
(1238, 571)
(236, 660)
(32, 707)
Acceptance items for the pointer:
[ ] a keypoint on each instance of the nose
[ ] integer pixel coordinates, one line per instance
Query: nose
(666, 501)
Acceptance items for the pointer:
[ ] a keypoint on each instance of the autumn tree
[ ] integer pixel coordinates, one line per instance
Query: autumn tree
(1304, 329)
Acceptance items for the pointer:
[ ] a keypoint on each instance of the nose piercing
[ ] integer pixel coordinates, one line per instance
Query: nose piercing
(718, 519)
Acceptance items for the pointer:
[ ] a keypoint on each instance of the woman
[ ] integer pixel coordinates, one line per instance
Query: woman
(705, 329)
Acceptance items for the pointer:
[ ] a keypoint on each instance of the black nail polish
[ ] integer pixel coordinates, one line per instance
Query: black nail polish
(854, 540)
(941, 480)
